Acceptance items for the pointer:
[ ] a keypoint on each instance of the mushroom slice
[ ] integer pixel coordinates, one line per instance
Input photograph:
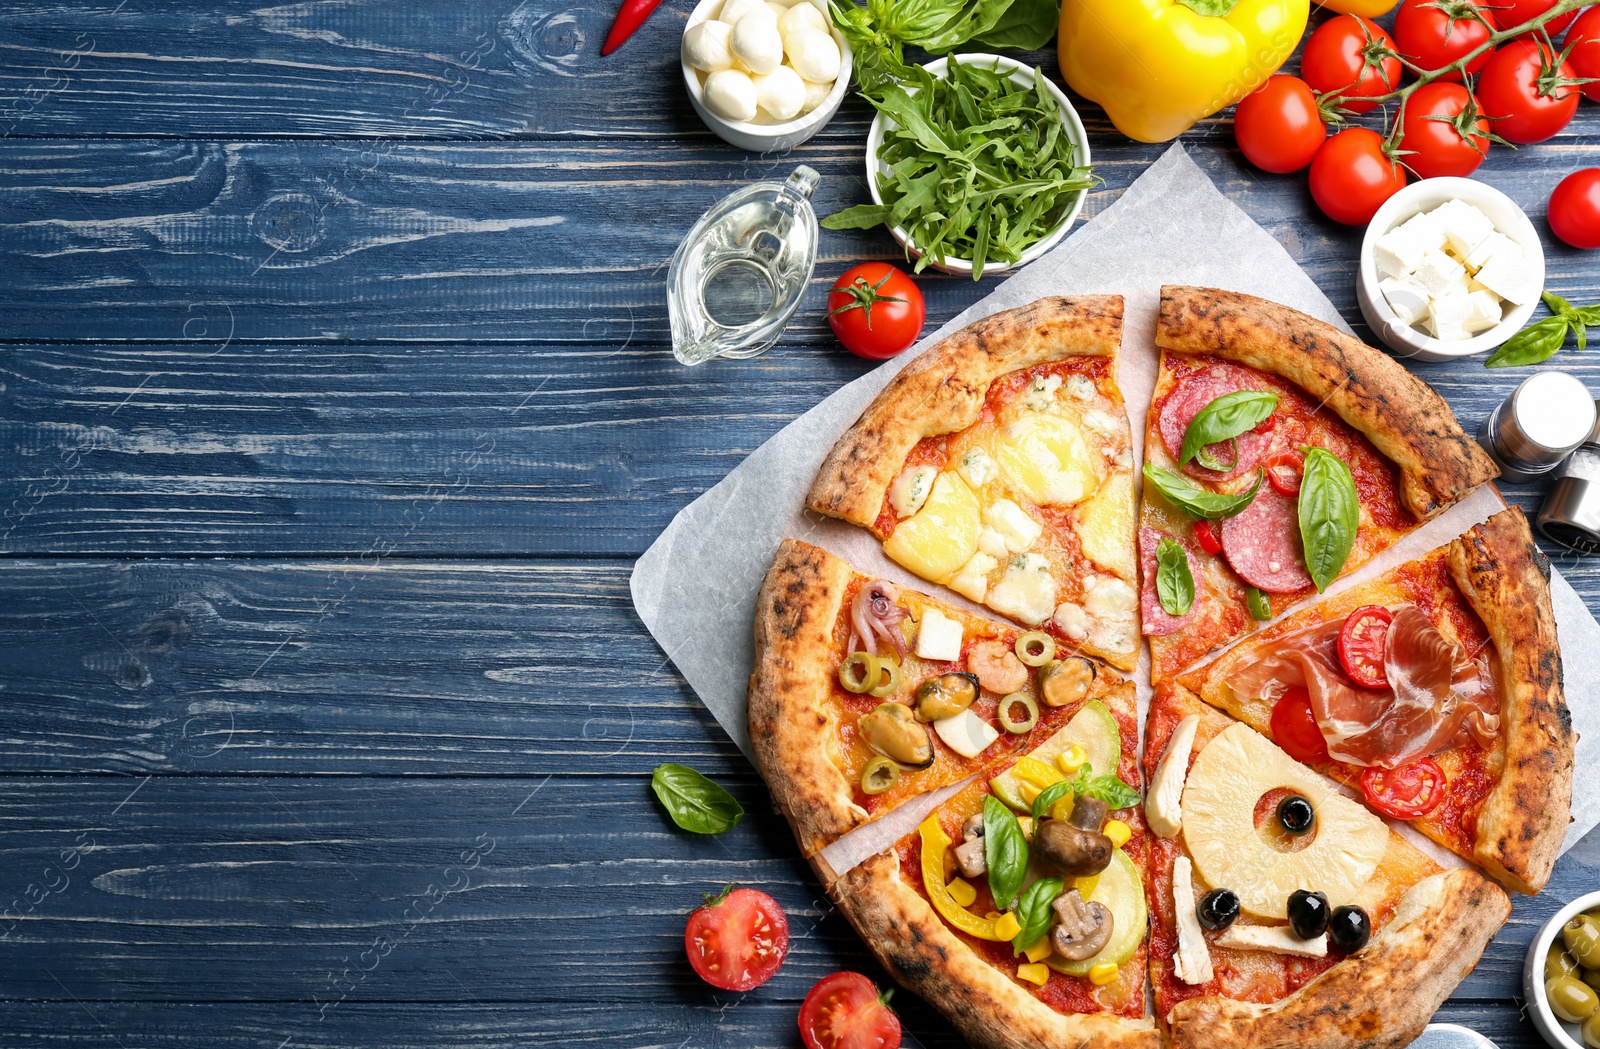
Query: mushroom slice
(1074, 851)
(1084, 927)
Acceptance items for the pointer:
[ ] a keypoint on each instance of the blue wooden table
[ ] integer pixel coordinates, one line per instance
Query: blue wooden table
(336, 407)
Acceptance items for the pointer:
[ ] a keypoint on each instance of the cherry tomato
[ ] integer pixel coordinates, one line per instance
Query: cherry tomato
(1361, 645)
(1283, 472)
(1575, 207)
(1205, 533)
(1346, 54)
(1278, 126)
(1431, 134)
(876, 310)
(1406, 792)
(1351, 176)
(738, 939)
(1429, 37)
(1512, 13)
(845, 1011)
(1295, 729)
(1522, 93)
(1584, 39)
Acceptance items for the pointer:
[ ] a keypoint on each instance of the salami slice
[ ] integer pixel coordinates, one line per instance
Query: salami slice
(1262, 543)
(1185, 402)
(1156, 621)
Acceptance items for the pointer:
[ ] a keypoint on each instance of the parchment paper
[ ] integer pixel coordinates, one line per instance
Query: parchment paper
(695, 588)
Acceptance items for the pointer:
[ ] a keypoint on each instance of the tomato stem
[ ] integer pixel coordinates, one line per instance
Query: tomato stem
(864, 296)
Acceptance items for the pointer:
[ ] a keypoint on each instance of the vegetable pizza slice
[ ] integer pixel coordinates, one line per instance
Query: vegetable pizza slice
(999, 464)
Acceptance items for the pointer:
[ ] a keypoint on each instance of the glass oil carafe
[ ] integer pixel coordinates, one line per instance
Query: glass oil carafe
(739, 275)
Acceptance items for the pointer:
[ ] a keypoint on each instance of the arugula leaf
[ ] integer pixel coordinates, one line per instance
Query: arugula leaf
(693, 801)
(1005, 851)
(1225, 418)
(1330, 513)
(1033, 913)
(1212, 506)
(1113, 791)
(1174, 579)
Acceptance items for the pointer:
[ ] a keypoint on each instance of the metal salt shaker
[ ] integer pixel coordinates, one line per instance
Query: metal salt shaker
(1539, 425)
(1571, 512)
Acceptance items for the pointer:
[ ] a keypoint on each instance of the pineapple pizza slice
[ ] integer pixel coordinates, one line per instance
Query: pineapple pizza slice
(1435, 689)
(1282, 912)
(1281, 453)
(999, 463)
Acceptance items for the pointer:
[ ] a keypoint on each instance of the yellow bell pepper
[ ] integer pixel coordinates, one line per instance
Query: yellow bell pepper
(934, 842)
(1157, 66)
(1364, 8)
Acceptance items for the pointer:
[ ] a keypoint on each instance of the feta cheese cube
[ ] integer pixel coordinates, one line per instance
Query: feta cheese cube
(1406, 298)
(1511, 279)
(1439, 274)
(1465, 227)
(1492, 246)
(1485, 311)
(938, 637)
(1399, 252)
(1447, 316)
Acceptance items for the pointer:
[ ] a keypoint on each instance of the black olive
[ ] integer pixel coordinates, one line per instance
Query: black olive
(1295, 814)
(1218, 909)
(1308, 913)
(1349, 928)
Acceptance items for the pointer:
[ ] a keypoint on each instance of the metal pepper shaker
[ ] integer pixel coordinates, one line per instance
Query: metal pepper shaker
(1539, 425)
(1571, 512)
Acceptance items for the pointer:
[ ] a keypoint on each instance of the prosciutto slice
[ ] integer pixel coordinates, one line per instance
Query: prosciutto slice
(1437, 695)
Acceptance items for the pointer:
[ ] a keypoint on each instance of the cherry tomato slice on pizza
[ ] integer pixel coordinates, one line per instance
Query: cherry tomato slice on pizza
(1283, 472)
(738, 939)
(1407, 792)
(1361, 645)
(1205, 533)
(1295, 728)
(845, 1011)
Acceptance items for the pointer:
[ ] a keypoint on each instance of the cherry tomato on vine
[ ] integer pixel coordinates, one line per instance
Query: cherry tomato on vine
(1527, 94)
(1351, 176)
(1434, 33)
(738, 939)
(845, 1011)
(1295, 729)
(1205, 533)
(1406, 792)
(1436, 115)
(1512, 13)
(1575, 208)
(876, 310)
(1278, 126)
(1362, 642)
(1584, 39)
(1347, 54)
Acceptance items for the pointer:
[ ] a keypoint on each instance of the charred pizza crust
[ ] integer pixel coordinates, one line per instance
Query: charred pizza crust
(943, 391)
(1401, 415)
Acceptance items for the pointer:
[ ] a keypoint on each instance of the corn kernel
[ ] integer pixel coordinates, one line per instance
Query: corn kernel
(1118, 832)
(1036, 972)
(1069, 761)
(1040, 951)
(962, 892)
(1007, 926)
(1102, 974)
(1062, 809)
(1026, 823)
(1036, 772)
(1086, 885)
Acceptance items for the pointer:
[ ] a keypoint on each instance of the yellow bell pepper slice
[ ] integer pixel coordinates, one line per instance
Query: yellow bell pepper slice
(1040, 951)
(1086, 884)
(934, 842)
(1036, 772)
(1158, 66)
(1036, 973)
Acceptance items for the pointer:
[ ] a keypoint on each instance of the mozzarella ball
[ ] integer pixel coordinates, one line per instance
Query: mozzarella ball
(756, 43)
(803, 15)
(813, 53)
(781, 93)
(705, 46)
(778, 10)
(733, 11)
(816, 94)
(730, 94)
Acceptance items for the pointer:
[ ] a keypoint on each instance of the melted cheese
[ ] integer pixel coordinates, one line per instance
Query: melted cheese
(1105, 526)
(1027, 591)
(910, 490)
(942, 536)
(1016, 528)
(1047, 459)
(972, 582)
(978, 467)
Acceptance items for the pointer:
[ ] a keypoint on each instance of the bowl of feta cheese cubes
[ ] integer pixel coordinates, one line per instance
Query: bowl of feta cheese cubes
(764, 74)
(1450, 267)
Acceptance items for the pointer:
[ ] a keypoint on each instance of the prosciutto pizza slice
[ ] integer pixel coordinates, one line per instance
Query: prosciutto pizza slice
(1435, 689)
(1280, 454)
(999, 464)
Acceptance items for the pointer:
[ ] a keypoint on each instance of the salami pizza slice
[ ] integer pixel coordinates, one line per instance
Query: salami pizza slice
(999, 464)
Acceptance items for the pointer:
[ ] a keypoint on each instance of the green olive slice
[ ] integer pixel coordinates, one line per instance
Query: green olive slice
(1008, 719)
(858, 672)
(880, 775)
(1036, 648)
(888, 677)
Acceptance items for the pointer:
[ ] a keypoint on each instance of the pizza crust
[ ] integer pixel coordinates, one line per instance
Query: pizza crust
(1402, 416)
(943, 391)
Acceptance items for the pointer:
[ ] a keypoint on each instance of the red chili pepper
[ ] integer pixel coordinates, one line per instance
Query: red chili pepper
(1206, 535)
(629, 19)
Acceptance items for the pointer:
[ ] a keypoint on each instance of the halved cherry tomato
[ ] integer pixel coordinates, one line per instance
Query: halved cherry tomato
(1352, 55)
(845, 1011)
(1283, 472)
(1406, 792)
(738, 939)
(1361, 645)
(1295, 729)
(1205, 533)
(876, 310)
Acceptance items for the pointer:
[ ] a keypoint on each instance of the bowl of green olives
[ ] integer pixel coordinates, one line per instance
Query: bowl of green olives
(1561, 977)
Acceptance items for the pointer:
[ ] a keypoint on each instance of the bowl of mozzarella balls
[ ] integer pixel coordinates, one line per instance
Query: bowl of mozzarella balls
(764, 75)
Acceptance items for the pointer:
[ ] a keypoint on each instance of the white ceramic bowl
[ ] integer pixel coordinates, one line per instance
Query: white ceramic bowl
(1414, 343)
(753, 135)
(1019, 73)
(1557, 1032)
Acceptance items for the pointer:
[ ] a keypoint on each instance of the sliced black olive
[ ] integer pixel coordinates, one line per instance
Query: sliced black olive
(1349, 928)
(1218, 909)
(1308, 913)
(1295, 814)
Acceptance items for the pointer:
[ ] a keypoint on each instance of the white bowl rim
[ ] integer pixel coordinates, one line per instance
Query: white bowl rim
(1533, 965)
(825, 109)
(1075, 129)
(1468, 190)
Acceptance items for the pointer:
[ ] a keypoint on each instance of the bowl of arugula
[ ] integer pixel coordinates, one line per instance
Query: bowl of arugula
(977, 163)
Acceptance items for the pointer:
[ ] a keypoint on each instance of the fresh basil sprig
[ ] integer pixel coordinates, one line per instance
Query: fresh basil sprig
(1259, 604)
(1174, 580)
(1542, 339)
(1330, 513)
(1005, 851)
(1113, 791)
(1047, 797)
(1212, 506)
(1033, 913)
(694, 802)
(1224, 419)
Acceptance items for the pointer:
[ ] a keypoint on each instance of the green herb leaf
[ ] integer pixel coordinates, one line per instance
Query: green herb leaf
(1224, 418)
(694, 802)
(1211, 8)
(1049, 796)
(1033, 913)
(1535, 344)
(1005, 851)
(1259, 604)
(1330, 514)
(1112, 791)
(1212, 506)
(1174, 580)
(862, 216)
(1027, 25)
(1557, 305)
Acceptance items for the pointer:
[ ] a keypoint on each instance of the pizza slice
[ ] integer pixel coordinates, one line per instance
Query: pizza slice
(1280, 454)
(1284, 913)
(1435, 689)
(1022, 916)
(866, 694)
(999, 464)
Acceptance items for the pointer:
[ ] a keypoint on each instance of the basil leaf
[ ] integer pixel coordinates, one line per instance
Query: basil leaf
(1112, 791)
(1212, 506)
(1330, 513)
(1259, 604)
(1557, 305)
(1049, 796)
(1033, 913)
(1005, 851)
(1027, 25)
(1535, 344)
(1228, 416)
(694, 802)
(1174, 580)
